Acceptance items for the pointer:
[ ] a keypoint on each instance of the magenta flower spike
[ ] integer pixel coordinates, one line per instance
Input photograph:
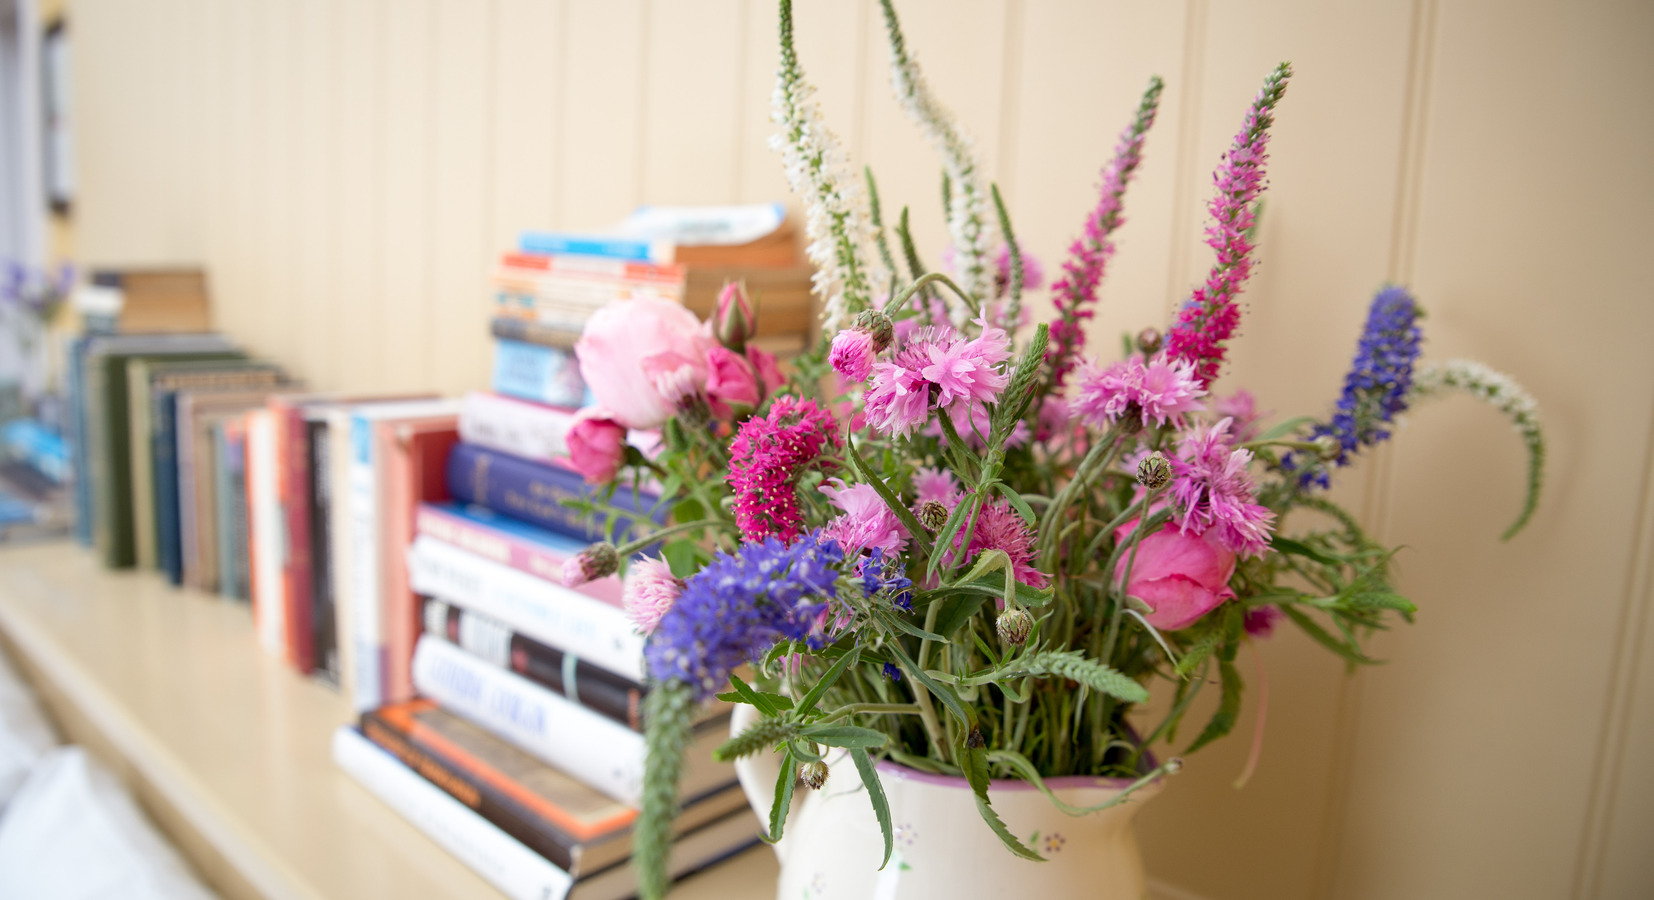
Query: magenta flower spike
(1209, 317)
(1076, 291)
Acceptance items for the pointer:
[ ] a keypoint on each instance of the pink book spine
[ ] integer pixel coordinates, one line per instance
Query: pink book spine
(509, 550)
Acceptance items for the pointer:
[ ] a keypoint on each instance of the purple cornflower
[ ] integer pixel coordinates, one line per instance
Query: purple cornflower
(881, 575)
(1088, 256)
(1210, 315)
(741, 605)
(1375, 390)
(1213, 491)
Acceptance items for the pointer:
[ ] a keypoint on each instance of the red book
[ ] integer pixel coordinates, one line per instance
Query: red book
(414, 453)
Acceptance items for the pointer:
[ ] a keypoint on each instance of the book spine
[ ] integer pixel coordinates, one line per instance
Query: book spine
(606, 755)
(362, 503)
(224, 497)
(540, 374)
(549, 613)
(624, 249)
(535, 492)
(233, 563)
(295, 507)
(78, 441)
(528, 430)
(477, 794)
(344, 610)
(265, 533)
(509, 550)
(168, 549)
(575, 679)
(500, 859)
(512, 328)
(325, 635)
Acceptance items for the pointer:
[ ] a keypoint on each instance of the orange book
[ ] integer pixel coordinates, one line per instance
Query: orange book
(415, 458)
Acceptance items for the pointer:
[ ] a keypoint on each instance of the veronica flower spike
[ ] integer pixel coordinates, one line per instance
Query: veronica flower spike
(1209, 317)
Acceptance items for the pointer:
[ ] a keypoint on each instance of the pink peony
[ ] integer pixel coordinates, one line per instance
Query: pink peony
(852, 355)
(650, 590)
(597, 445)
(1181, 576)
(867, 522)
(619, 341)
(731, 382)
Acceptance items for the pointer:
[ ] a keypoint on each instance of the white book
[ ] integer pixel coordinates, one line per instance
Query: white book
(501, 859)
(533, 607)
(599, 751)
(267, 533)
(364, 499)
(338, 473)
(518, 427)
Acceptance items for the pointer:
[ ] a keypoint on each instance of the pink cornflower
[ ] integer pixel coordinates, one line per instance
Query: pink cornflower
(1088, 256)
(1243, 408)
(649, 591)
(767, 457)
(852, 355)
(936, 484)
(998, 527)
(1209, 317)
(866, 523)
(935, 362)
(1158, 391)
(1212, 491)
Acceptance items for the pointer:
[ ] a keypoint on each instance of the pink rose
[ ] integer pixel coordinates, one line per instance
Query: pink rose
(1182, 577)
(617, 341)
(730, 381)
(769, 373)
(597, 445)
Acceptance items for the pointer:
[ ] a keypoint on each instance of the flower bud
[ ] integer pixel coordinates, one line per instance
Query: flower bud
(932, 514)
(1149, 341)
(597, 561)
(1173, 765)
(734, 321)
(1328, 447)
(813, 774)
(1014, 625)
(1154, 471)
(974, 741)
(852, 355)
(878, 326)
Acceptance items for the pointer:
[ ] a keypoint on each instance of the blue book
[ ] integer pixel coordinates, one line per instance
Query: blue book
(537, 373)
(169, 554)
(533, 492)
(564, 243)
(77, 440)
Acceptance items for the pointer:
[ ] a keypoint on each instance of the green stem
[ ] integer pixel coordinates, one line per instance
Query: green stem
(627, 549)
(872, 709)
(925, 280)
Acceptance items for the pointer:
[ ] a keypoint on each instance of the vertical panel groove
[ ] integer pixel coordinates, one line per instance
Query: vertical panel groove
(645, 64)
(737, 158)
(1010, 104)
(1188, 151)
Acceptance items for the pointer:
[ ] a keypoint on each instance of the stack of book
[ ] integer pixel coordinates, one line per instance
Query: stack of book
(523, 752)
(548, 286)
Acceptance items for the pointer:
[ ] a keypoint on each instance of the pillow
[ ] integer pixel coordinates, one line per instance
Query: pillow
(73, 833)
(25, 735)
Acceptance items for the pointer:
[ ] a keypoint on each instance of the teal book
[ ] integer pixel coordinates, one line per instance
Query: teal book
(230, 445)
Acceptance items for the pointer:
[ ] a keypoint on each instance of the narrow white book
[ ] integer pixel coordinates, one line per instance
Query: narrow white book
(267, 534)
(533, 607)
(502, 860)
(596, 749)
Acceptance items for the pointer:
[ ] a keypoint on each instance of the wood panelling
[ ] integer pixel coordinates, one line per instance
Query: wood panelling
(346, 169)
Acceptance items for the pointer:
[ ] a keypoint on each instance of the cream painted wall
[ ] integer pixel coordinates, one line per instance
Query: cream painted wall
(346, 168)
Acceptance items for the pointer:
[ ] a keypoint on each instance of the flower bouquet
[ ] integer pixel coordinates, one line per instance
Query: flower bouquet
(973, 556)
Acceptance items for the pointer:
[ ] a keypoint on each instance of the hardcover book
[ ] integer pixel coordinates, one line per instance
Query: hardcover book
(536, 492)
(233, 572)
(527, 548)
(537, 373)
(532, 431)
(415, 455)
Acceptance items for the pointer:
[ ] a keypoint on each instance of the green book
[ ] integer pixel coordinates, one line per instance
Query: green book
(148, 380)
(109, 429)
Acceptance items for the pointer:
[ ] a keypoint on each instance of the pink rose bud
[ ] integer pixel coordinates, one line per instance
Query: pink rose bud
(731, 383)
(852, 355)
(734, 321)
(597, 445)
(597, 561)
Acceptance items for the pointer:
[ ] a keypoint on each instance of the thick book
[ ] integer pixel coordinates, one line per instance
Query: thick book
(365, 516)
(593, 687)
(233, 571)
(618, 248)
(538, 373)
(527, 548)
(599, 751)
(535, 492)
(414, 454)
(532, 431)
(525, 330)
(501, 859)
(547, 612)
(578, 829)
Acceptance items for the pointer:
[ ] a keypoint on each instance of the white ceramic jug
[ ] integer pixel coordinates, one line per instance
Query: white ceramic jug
(943, 849)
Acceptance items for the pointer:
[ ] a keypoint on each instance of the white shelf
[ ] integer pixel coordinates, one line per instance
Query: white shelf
(228, 748)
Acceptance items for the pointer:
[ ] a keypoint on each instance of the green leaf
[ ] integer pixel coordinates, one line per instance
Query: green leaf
(975, 763)
(807, 703)
(944, 538)
(1021, 505)
(769, 704)
(1349, 653)
(1298, 548)
(957, 610)
(682, 557)
(1282, 429)
(1021, 765)
(895, 504)
(1199, 651)
(849, 736)
(948, 696)
(902, 624)
(1222, 721)
(995, 560)
(881, 805)
(783, 798)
